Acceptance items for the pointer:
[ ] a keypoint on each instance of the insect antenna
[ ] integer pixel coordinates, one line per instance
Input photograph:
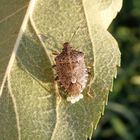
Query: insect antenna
(45, 40)
(74, 33)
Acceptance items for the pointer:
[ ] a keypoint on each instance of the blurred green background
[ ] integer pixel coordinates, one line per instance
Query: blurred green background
(122, 115)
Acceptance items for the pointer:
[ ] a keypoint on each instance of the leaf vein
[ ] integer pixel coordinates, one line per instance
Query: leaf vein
(14, 13)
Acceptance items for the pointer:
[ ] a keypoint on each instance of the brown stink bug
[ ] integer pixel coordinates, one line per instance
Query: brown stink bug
(72, 72)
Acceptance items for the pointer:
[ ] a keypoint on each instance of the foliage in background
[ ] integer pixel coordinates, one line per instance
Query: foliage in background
(122, 117)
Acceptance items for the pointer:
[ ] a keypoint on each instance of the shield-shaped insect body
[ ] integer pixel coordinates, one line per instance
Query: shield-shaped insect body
(72, 72)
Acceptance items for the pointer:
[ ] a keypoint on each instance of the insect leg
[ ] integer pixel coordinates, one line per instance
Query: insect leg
(50, 41)
(89, 94)
(55, 53)
(89, 91)
(54, 66)
(56, 78)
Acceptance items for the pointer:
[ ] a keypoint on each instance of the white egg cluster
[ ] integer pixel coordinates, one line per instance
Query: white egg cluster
(74, 99)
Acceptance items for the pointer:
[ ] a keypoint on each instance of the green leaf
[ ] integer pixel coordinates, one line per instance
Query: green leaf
(11, 17)
(121, 128)
(36, 110)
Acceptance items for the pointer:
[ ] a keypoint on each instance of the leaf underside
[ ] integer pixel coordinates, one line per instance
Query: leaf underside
(11, 17)
(30, 95)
